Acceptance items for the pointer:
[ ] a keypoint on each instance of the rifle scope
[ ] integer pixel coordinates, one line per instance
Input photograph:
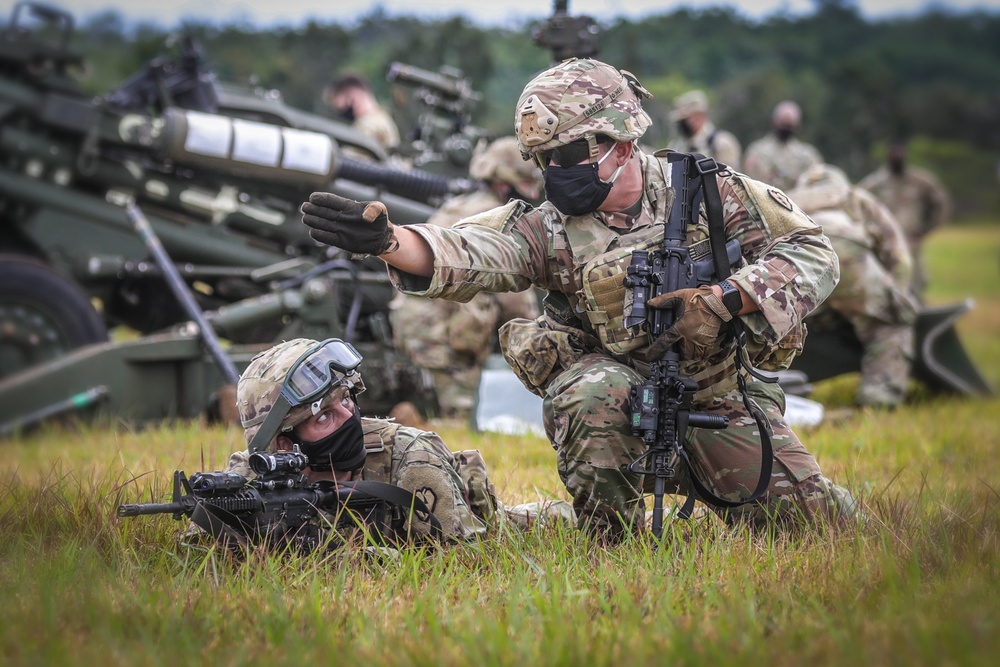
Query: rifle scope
(268, 463)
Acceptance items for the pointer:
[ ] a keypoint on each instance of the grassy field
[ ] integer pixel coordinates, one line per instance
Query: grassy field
(916, 585)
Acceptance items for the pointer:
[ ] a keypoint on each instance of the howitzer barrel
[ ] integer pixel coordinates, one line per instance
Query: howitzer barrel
(450, 86)
(406, 183)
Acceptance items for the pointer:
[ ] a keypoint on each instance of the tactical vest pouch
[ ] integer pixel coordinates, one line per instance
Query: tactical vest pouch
(537, 352)
(605, 300)
(777, 356)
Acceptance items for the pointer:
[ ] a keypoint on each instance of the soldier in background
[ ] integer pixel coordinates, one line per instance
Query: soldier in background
(916, 198)
(780, 158)
(875, 269)
(453, 340)
(699, 134)
(352, 98)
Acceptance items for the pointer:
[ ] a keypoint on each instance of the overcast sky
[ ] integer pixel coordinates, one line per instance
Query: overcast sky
(263, 13)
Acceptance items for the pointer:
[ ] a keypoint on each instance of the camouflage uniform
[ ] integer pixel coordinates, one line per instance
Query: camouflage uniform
(875, 268)
(453, 340)
(708, 140)
(919, 202)
(455, 486)
(582, 361)
(778, 162)
(378, 125)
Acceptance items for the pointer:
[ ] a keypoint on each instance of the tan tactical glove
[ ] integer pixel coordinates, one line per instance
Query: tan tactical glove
(698, 318)
(362, 228)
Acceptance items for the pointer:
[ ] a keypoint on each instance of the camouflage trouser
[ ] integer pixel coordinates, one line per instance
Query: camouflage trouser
(587, 417)
(882, 315)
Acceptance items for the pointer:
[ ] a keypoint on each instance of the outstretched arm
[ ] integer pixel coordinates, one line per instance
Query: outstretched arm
(364, 228)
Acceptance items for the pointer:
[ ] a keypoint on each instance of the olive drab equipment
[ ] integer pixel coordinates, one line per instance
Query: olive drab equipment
(661, 405)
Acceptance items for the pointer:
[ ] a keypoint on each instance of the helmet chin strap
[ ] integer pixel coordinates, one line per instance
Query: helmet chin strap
(271, 425)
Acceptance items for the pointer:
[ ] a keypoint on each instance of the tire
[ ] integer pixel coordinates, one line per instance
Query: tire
(43, 315)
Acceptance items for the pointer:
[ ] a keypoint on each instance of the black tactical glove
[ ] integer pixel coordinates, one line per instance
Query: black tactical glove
(698, 319)
(359, 227)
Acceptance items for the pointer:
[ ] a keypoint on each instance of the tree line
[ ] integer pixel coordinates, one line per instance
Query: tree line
(932, 79)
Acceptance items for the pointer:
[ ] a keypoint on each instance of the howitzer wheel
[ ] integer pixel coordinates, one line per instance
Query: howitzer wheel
(43, 315)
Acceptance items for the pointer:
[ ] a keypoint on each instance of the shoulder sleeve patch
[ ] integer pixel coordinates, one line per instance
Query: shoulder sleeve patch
(782, 199)
(499, 218)
(777, 211)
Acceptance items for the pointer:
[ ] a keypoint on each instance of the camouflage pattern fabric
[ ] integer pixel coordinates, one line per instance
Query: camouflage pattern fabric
(419, 462)
(920, 204)
(587, 419)
(588, 97)
(378, 125)
(789, 269)
(455, 486)
(873, 292)
(453, 340)
(777, 162)
(710, 141)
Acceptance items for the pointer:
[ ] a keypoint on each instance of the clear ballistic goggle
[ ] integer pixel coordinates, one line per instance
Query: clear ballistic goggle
(320, 368)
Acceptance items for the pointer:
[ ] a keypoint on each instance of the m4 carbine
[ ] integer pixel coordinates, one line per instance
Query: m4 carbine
(277, 507)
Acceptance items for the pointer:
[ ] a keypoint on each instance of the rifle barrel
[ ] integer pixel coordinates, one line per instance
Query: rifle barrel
(150, 508)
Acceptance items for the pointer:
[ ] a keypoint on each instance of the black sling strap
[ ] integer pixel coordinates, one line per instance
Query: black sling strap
(704, 170)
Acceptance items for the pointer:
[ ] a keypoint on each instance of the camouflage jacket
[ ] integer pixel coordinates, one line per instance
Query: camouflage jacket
(378, 125)
(779, 163)
(916, 197)
(864, 222)
(789, 266)
(713, 142)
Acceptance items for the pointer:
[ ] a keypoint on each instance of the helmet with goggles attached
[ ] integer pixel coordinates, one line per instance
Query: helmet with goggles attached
(285, 385)
(578, 99)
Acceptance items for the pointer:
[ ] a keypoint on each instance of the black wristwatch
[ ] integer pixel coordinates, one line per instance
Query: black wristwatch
(731, 298)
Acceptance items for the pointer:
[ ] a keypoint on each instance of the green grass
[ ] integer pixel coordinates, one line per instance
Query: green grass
(917, 584)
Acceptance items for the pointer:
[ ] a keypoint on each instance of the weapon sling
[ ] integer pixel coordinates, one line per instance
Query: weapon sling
(661, 406)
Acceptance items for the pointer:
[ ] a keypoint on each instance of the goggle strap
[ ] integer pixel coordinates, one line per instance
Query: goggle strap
(271, 425)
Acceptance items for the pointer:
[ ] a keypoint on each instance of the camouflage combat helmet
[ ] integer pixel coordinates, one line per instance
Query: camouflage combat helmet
(819, 187)
(501, 160)
(579, 98)
(260, 384)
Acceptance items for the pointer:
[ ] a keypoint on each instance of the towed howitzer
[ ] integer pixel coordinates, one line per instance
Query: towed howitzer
(277, 507)
(220, 176)
(441, 137)
(661, 406)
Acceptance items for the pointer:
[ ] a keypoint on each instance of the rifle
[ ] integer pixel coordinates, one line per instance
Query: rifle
(661, 405)
(277, 506)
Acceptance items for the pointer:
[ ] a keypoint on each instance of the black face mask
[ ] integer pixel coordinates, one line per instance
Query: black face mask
(784, 133)
(578, 190)
(344, 449)
(896, 166)
(347, 113)
(685, 128)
